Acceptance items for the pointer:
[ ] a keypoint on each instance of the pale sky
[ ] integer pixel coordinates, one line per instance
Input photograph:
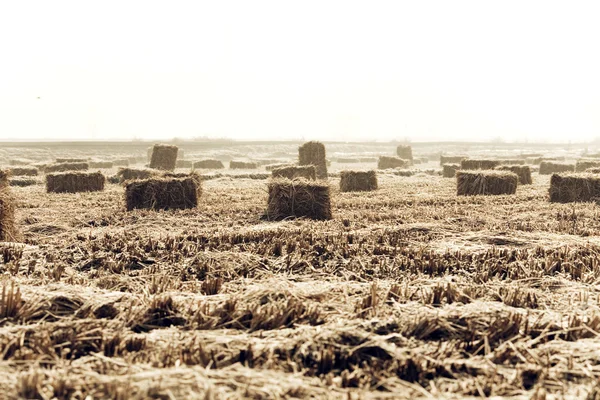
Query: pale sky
(329, 70)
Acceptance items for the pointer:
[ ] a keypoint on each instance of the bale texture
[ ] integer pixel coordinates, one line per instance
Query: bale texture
(522, 171)
(71, 160)
(74, 182)
(242, 165)
(451, 159)
(404, 152)
(292, 172)
(164, 193)
(184, 164)
(485, 182)
(471, 164)
(449, 170)
(8, 227)
(298, 198)
(549, 167)
(313, 153)
(567, 188)
(358, 181)
(101, 164)
(582, 165)
(127, 174)
(164, 157)
(208, 164)
(62, 167)
(23, 171)
(386, 162)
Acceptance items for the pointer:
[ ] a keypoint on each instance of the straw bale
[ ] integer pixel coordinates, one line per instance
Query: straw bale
(23, 171)
(471, 164)
(404, 152)
(183, 164)
(298, 198)
(74, 182)
(595, 170)
(71, 160)
(164, 193)
(292, 172)
(511, 161)
(313, 153)
(271, 167)
(358, 181)
(581, 187)
(345, 160)
(22, 182)
(242, 165)
(485, 182)
(208, 164)
(551, 167)
(386, 162)
(62, 167)
(4, 175)
(18, 161)
(164, 157)
(8, 227)
(451, 159)
(127, 174)
(101, 164)
(584, 164)
(449, 170)
(522, 171)
(121, 162)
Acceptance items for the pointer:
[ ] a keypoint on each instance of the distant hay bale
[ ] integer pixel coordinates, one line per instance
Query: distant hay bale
(18, 161)
(358, 181)
(208, 164)
(404, 152)
(164, 157)
(552, 167)
(4, 175)
(386, 162)
(71, 160)
(164, 193)
(522, 171)
(582, 165)
(451, 159)
(127, 174)
(567, 188)
(271, 167)
(313, 153)
(121, 162)
(420, 160)
(101, 164)
(22, 182)
(242, 165)
(485, 182)
(298, 198)
(347, 160)
(449, 170)
(23, 171)
(62, 167)
(75, 182)
(511, 161)
(8, 226)
(296, 171)
(183, 164)
(180, 153)
(471, 164)
(595, 170)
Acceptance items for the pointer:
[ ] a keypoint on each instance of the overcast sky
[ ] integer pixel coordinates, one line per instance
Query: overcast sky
(335, 70)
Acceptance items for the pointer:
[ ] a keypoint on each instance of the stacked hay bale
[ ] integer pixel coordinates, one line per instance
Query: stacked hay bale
(75, 182)
(566, 188)
(485, 182)
(584, 164)
(242, 165)
(127, 174)
(164, 193)
(23, 171)
(405, 152)
(386, 162)
(101, 164)
(522, 171)
(298, 198)
(183, 164)
(313, 153)
(62, 167)
(451, 159)
(552, 167)
(164, 157)
(8, 227)
(358, 181)
(449, 170)
(293, 172)
(472, 164)
(208, 164)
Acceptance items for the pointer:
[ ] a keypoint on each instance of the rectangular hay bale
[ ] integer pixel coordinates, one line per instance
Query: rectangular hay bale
(358, 181)
(473, 164)
(164, 157)
(208, 164)
(522, 171)
(164, 193)
(127, 174)
(313, 153)
(298, 198)
(75, 182)
(574, 187)
(101, 164)
(584, 164)
(242, 165)
(293, 172)
(404, 152)
(449, 170)
(451, 159)
(551, 167)
(485, 182)
(23, 171)
(386, 162)
(8, 226)
(62, 167)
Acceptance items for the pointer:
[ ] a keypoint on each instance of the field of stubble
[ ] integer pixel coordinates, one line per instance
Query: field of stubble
(410, 291)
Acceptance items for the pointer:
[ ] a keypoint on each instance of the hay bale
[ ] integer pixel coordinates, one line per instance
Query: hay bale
(358, 181)
(70, 160)
(75, 182)
(164, 157)
(511, 161)
(4, 175)
(313, 153)
(404, 152)
(18, 162)
(121, 162)
(164, 193)
(451, 159)
(22, 182)
(595, 170)
(345, 160)
(485, 182)
(522, 171)
(127, 174)
(449, 170)
(298, 198)
(101, 164)
(471, 164)
(567, 188)
(8, 226)
(208, 164)
(183, 164)
(552, 167)
(242, 165)
(293, 172)
(271, 167)
(386, 162)
(62, 167)
(23, 171)
(583, 164)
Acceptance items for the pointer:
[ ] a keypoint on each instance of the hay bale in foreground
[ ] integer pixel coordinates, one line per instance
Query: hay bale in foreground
(386, 162)
(313, 153)
(164, 193)
(23, 171)
(551, 167)
(567, 188)
(101, 164)
(208, 164)
(404, 152)
(127, 174)
(8, 226)
(358, 181)
(449, 170)
(522, 171)
(298, 198)
(472, 164)
(164, 157)
(451, 159)
(485, 182)
(62, 167)
(582, 165)
(293, 172)
(75, 182)
(242, 165)
(183, 164)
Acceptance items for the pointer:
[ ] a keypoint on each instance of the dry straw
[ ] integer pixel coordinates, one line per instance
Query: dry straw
(127, 174)
(183, 164)
(71, 160)
(23, 171)
(122, 162)
(4, 175)
(208, 164)
(451, 159)
(74, 182)
(8, 227)
(101, 164)
(471, 164)
(582, 165)
(292, 172)
(313, 153)
(164, 193)
(449, 170)
(386, 162)
(595, 170)
(62, 167)
(552, 167)
(485, 182)
(522, 171)
(358, 181)
(404, 152)
(242, 165)
(271, 167)
(298, 198)
(164, 157)
(566, 188)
